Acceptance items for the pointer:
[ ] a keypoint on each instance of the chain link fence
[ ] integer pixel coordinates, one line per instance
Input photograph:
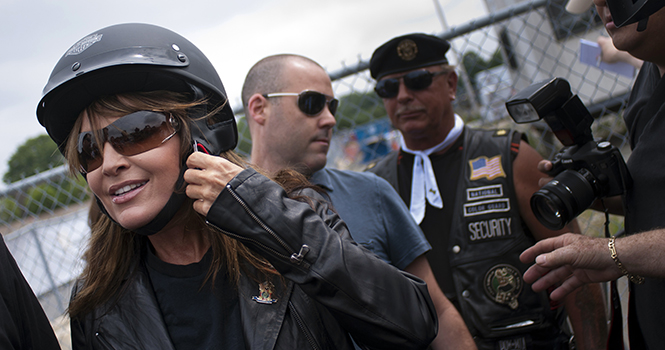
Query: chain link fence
(44, 217)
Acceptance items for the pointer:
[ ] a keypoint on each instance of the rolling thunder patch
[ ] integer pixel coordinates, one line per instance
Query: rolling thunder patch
(503, 285)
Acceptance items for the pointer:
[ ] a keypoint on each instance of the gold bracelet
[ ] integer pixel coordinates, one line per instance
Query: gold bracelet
(637, 279)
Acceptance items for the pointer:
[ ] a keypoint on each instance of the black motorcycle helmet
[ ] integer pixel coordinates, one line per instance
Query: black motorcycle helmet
(625, 12)
(134, 58)
(137, 58)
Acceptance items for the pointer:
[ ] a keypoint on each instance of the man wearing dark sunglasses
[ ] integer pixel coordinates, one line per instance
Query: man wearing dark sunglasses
(290, 113)
(469, 190)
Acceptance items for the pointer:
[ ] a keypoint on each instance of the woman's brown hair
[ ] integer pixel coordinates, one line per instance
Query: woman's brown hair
(113, 251)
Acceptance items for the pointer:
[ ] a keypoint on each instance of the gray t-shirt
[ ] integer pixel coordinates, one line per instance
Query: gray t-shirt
(375, 214)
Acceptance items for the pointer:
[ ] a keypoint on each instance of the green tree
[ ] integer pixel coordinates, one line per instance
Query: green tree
(359, 108)
(474, 63)
(34, 156)
(496, 59)
(244, 137)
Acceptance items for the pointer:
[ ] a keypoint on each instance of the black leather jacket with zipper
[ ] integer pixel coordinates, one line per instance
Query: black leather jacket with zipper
(331, 288)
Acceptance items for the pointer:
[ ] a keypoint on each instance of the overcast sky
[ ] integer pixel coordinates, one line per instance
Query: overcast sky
(233, 34)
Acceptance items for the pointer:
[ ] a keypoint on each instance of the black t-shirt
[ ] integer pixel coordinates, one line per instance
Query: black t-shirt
(645, 119)
(436, 224)
(197, 316)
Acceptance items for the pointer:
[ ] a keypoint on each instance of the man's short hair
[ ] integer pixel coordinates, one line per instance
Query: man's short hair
(408, 52)
(266, 76)
(263, 77)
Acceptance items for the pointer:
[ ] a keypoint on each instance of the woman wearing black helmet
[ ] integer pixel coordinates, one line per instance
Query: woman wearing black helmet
(197, 251)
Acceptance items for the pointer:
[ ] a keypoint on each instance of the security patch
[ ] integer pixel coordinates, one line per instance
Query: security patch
(477, 193)
(485, 230)
(500, 205)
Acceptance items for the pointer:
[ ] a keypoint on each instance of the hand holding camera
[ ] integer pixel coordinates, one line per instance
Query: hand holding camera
(544, 166)
(584, 169)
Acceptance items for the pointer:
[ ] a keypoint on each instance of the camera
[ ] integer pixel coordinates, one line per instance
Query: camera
(584, 170)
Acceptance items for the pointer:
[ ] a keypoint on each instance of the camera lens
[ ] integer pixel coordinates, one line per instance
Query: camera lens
(562, 199)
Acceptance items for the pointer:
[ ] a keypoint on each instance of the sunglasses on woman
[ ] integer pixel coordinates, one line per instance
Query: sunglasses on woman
(130, 135)
(310, 102)
(414, 81)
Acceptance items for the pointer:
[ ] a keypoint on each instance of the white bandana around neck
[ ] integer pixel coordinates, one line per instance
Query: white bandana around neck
(423, 183)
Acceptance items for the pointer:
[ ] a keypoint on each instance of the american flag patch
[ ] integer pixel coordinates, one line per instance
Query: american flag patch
(489, 168)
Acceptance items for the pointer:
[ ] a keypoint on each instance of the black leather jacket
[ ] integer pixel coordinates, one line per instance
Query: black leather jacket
(331, 287)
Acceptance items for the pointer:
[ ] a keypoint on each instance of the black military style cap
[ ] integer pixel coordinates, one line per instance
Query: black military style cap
(408, 52)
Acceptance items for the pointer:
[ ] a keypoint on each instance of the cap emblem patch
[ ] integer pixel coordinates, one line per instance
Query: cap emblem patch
(407, 50)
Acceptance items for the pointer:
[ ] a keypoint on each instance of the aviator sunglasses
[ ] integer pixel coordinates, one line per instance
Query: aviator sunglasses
(130, 135)
(310, 102)
(414, 81)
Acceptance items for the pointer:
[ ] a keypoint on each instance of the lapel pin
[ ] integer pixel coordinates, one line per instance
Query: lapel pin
(265, 293)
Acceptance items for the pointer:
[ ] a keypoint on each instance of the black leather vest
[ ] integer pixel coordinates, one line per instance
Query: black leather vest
(487, 236)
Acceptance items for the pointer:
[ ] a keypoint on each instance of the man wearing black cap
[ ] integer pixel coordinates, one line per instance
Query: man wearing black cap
(469, 190)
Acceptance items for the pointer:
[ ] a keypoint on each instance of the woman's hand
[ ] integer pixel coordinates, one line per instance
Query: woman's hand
(206, 177)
